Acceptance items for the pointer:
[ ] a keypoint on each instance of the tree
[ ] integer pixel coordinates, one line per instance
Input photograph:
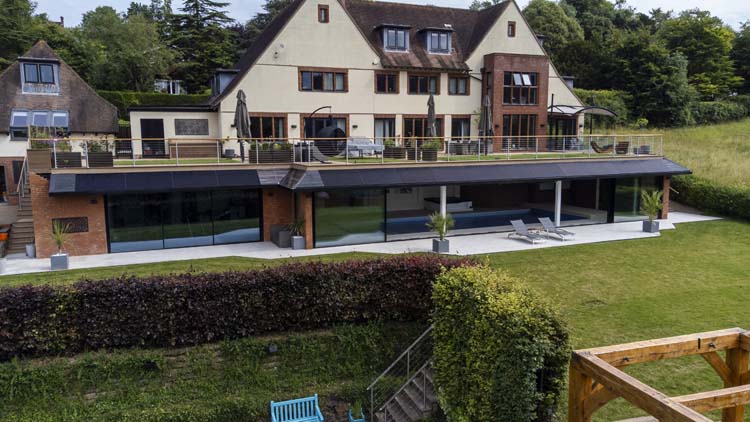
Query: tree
(741, 55)
(203, 42)
(655, 78)
(131, 53)
(249, 32)
(15, 37)
(706, 42)
(549, 19)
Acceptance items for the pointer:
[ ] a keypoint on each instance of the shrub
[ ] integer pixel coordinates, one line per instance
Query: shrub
(500, 353)
(711, 112)
(611, 99)
(707, 195)
(124, 99)
(189, 309)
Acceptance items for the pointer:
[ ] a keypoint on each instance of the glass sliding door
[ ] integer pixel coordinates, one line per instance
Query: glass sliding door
(135, 222)
(187, 220)
(627, 197)
(236, 216)
(140, 222)
(349, 217)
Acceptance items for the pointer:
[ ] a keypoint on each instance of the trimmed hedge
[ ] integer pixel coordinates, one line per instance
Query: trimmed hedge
(501, 354)
(712, 112)
(730, 201)
(189, 309)
(124, 99)
(616, 101)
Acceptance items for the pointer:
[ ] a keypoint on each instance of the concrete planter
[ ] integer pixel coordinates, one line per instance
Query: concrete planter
(67, 159)
(100, 159)
(651, 226)
(398, 153)
(59, 261)
(298, 242)
(429, 155)
(285, 239)
(441, 246)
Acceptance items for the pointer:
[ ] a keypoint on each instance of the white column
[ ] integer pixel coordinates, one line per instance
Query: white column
(558, 201)
(443, 200)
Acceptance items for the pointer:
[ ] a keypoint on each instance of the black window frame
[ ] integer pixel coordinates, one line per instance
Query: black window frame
(37, 72)
(439, 36)
(396, 44)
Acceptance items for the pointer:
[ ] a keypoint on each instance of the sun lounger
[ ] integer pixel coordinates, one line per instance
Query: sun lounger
(522, 232)
(551, 229)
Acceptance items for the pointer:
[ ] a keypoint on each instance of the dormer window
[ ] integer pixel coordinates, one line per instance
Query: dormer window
(21, 120)
(39, 78)
(396, 39)
(439, 42)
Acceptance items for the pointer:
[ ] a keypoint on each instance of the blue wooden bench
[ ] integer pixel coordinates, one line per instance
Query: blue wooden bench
(297, 410)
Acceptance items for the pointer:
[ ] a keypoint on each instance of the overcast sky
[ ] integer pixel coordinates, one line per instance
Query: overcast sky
(732, 12)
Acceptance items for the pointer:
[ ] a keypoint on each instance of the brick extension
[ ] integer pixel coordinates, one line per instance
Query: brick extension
(277, 209)
(46, 207)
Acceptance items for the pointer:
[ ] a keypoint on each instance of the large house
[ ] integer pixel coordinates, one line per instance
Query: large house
(337, 93)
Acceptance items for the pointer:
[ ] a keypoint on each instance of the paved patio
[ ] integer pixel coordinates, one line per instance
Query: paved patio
(460, 245)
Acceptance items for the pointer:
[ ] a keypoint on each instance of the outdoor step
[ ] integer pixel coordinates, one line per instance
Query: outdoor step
(421, 401)
(395, 413)
(408, 407)
(428, 387)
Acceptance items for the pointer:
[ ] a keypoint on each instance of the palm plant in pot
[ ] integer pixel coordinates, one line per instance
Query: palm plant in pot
(297, 227)
(440, 224)
(651, 205)
(59, 261)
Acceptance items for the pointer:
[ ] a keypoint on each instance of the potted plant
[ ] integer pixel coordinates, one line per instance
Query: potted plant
(281, 152)
(99, 154)
(59, 261)
(430, 150)
(392, 150)
(297, 228)
(440, 224)
(651, 205)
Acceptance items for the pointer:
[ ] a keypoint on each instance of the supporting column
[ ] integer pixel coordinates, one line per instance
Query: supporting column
(443, 200)
(558, 201)
(665, 198)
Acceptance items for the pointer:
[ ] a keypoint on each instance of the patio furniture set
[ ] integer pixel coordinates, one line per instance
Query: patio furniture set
(521, 231)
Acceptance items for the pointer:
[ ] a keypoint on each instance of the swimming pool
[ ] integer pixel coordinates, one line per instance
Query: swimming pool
(474, 220)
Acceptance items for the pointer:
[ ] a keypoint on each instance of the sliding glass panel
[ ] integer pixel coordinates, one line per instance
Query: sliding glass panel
(349, 217)
(187, 219)
(628, 197)
(236, 216)
(134, 222)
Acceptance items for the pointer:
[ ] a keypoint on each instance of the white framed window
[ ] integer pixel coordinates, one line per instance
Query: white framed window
(19, 125)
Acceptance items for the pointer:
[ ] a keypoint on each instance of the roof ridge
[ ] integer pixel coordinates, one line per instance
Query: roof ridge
(425, 6)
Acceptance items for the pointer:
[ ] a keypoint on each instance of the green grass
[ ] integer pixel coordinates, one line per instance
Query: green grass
(688, 280)
(717, 152)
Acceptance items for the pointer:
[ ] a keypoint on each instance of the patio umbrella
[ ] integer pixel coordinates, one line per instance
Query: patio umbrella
(431, 130)
(242, 122)
(485, 122)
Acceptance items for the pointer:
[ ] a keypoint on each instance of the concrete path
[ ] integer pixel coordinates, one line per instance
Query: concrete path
(460, 245)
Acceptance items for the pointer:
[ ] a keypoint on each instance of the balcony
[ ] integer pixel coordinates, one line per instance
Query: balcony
(354, 151)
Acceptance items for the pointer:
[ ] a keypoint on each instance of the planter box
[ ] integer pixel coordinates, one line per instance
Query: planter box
(413, 154)
(68, 159)
(271, 156)
(281, 236)
(40, 160)
(429, 155)
(441, 246)
(398, 153)
(458, 149)
(100, 159)
(59, 261)
(298, 242)
(651, 226)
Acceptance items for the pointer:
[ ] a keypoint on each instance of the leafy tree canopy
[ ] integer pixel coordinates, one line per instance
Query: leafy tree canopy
(741, 55)
(548, 18)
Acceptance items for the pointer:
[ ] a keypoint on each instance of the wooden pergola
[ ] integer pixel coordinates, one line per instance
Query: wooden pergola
(596, 377)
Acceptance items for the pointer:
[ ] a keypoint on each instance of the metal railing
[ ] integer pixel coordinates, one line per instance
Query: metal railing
(68, 152)
(23, 181)
(389, 383)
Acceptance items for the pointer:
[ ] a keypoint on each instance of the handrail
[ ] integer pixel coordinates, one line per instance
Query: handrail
(21, 186)
(408, 349)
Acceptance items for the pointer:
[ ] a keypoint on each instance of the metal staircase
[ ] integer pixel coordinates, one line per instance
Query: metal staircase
(22, 231)
(405, 391)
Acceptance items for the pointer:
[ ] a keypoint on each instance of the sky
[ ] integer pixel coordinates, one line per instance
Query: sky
(733, 12)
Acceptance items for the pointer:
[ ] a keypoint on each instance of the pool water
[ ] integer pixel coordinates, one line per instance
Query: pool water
(474, 220)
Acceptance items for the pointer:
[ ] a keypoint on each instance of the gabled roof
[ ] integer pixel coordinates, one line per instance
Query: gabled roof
(88, 112)
(469, 28)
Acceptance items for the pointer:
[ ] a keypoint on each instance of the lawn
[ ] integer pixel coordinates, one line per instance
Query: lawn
(689, 280)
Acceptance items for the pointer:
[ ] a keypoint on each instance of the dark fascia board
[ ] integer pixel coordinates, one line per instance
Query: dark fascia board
(392, 25)
(436, 29)
(186, 108)
(38, 59)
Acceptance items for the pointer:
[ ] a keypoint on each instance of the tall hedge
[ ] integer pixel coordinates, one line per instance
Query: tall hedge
(501, 353)
(124, 99)
(616, 101)
(188, 309)
(712, 112)
(704, 194)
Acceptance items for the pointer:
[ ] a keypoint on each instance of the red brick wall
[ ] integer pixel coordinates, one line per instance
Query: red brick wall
(305, 210)
(278, 206)
(45, 208)
(665, 198)
(498, 64)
